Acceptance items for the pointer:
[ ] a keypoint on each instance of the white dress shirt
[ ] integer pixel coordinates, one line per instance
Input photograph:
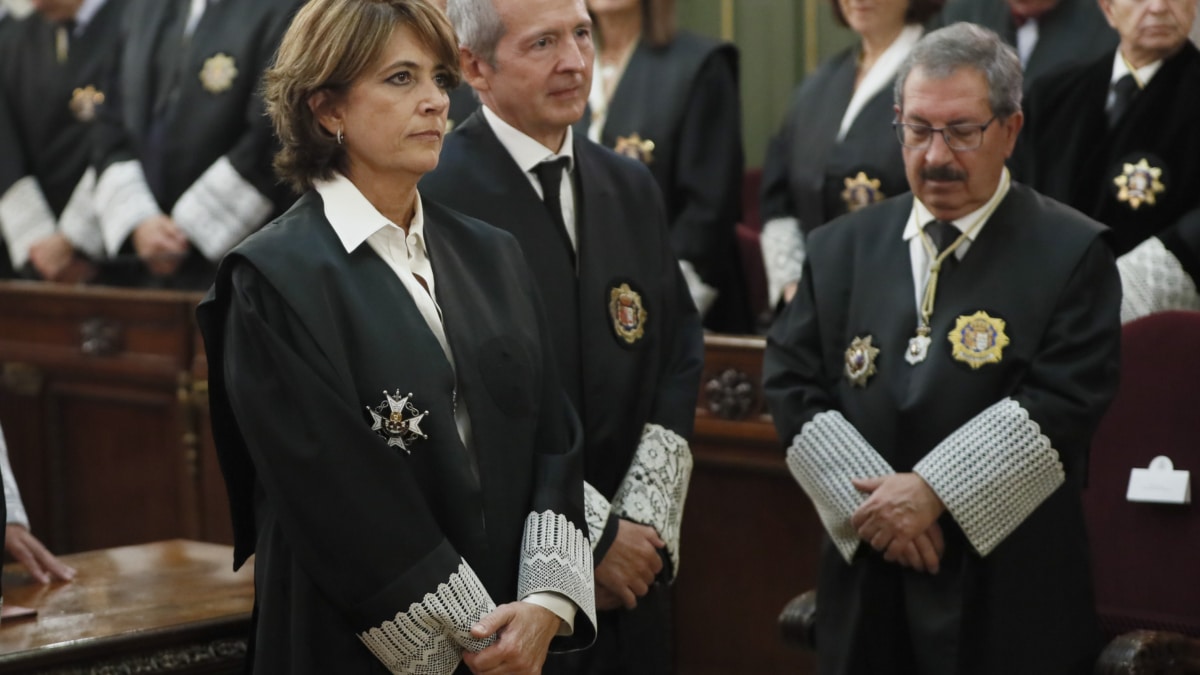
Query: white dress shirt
(1120, 69)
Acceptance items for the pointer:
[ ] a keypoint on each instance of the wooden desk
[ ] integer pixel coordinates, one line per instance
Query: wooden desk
(165, 607)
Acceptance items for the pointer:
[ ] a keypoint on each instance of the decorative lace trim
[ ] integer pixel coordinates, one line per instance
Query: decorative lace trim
(1153, 280)
(595, 511)
(123, 201)
(79, 221)
(656, 485)
(992, 472)
(26, 218)
(783, 251)
(826, 454)
(220, 209)
(428, 639)
(556, 557)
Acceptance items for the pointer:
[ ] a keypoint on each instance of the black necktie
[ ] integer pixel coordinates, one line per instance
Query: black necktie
(943, 234)
(1125, 89)
(549, 174)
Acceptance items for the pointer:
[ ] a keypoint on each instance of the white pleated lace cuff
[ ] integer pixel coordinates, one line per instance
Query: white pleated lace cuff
(703, 295)
(123, 201)
(220, 209)
(783, 251)
(557, 557)
(26, 218)
(992, 472)
(428, 639)
(656, 484)
(79, 222)
(824, 457)
(595, 511)
(1153, 280)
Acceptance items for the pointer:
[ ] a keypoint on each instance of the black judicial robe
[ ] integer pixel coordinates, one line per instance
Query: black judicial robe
(49, 109)
(684, 97)
(302, 338)
(806, 167)
(617, 387)
(6, 24)
(198, 127)
(1045, 270)
(1067, 151)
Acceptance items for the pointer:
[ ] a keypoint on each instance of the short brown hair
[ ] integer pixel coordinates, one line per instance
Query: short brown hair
(919, 11)
(328, 46)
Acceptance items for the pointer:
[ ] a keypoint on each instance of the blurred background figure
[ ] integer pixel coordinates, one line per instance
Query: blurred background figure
(184, 150)
(836, 151)
(670, 99)
(19, 542)
(53, 76)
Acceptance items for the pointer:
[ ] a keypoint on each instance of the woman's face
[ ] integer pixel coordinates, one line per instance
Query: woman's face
(871, 16)
(613, 6)
(394, 115)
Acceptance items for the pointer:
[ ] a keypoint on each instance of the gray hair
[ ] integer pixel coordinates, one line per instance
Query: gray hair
(478, 25)
(964, 45)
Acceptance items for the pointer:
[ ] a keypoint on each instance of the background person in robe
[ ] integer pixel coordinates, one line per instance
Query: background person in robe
(835, 151)
(397, 448)
(625, 331)
(183, 156)
(1117, 138)
(19, 542)
(938, 378)
(53, 79)
(670, 99)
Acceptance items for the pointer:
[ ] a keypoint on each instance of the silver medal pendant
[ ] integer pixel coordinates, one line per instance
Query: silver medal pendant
(918, 349)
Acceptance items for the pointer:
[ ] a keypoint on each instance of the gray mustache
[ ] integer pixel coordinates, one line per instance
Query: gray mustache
(942, 173)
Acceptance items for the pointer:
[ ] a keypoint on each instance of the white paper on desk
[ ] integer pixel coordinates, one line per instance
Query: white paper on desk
(1160, 484)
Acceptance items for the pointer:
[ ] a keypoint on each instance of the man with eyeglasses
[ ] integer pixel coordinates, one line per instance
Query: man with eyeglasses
(937, 379)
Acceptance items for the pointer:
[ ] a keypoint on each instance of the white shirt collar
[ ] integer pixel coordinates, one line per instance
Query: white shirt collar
(525, 151)
(84, 15)
(1143, 74)
(921, 213)
(354, 219)
(881, 74)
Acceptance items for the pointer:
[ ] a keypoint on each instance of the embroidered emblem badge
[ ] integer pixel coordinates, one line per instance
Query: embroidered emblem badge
(84, 102)
(861, 191)
(1139, 184)
(978, 340)
(398, 421)
(635, 148)
(627, 312)
(218, 73)
(860, 361)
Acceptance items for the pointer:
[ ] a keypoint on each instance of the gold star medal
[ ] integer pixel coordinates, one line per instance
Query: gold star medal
(861, 191)
(398, 421)
(635, 148)
(218, 73)
(860, 361)
(1139, 184)
(627, 312)
(978, 340)
(84, 102)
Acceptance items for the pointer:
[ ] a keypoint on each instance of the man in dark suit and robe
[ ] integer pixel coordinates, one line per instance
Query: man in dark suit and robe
(626, 334)
(938, 378)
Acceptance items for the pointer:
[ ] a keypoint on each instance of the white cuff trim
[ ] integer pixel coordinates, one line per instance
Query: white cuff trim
(559, 606)
(79, 222)
(26, 218)
(703, 295)
(595, 511)
(992, 472)
(783, 251)
(428, 639)
(123, 201)
(220, 209)
(824, 457)
(656, 484)
(556, 557)
(1153, 280)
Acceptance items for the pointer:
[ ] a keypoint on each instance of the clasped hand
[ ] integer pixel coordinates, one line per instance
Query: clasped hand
(629, 566)
(523, 633)
(900, 520)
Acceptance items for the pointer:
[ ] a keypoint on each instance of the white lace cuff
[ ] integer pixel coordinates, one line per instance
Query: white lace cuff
(703, 295)
(123, 201)
(656, 484)
(992, 472)
(1152, 280)
(220, 209)
(428, 639)
(824, 457)
(595, 511)
(783, 251)
(556, 556)
(26, 218)
(79, 222)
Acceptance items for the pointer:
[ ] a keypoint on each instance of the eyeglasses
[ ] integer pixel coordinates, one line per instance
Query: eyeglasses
(957, 136)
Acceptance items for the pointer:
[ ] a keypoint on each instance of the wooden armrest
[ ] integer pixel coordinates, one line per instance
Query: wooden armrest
(798, 621)
(1145, 652)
